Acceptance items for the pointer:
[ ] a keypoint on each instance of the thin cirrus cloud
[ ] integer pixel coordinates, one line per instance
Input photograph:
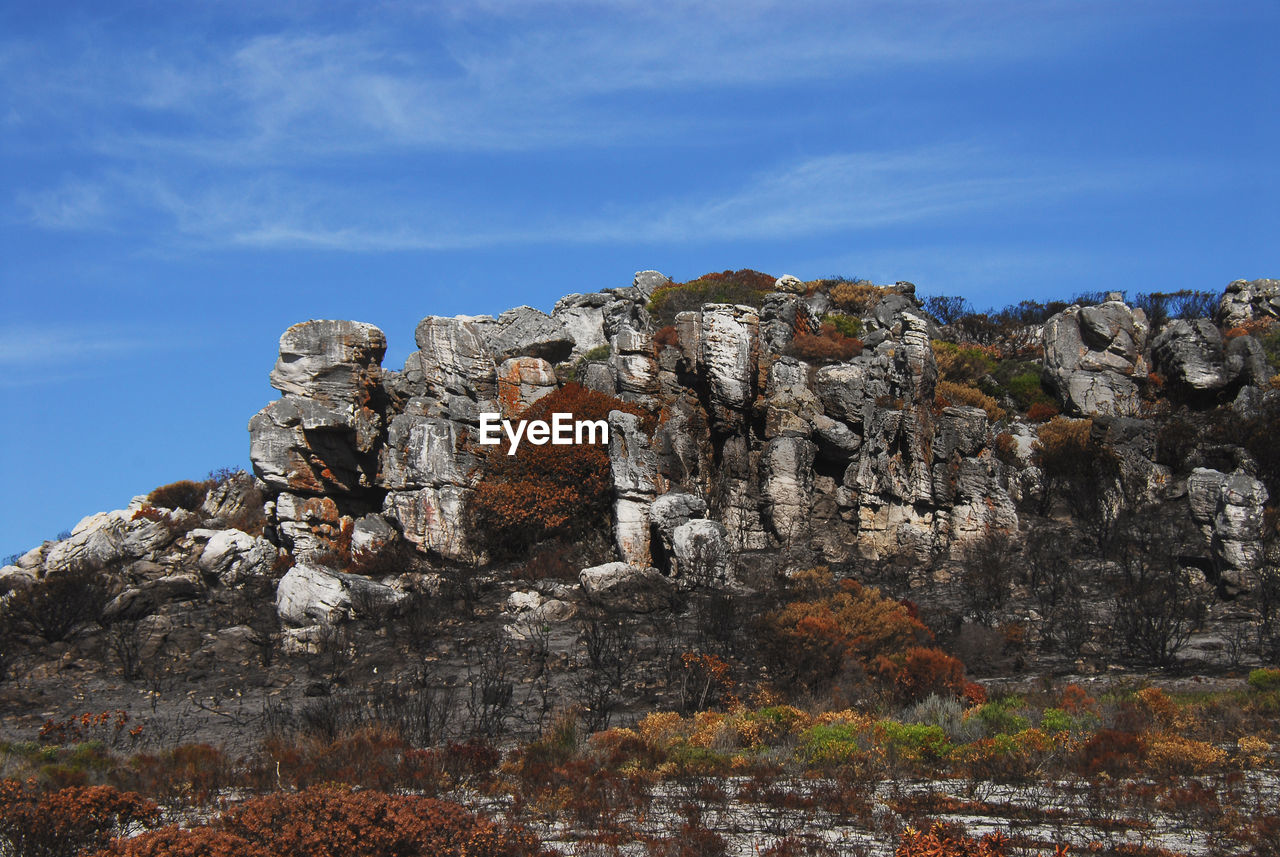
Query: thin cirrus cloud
(40, 353)
(493, 76)
(837, 192)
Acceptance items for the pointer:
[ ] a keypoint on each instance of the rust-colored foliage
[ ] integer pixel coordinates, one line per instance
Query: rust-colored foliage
(180, 842)
(183, 494)
(62, 823)
(549, 490)
(1041, 411)
(828, 345)
(947, 393)
(667, 335)
(857, 297)
(829, 629)
(941, 840)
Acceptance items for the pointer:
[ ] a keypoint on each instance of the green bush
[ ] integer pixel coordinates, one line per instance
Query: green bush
(1000, 717)
(728, 287)
(830, 743)
(846, 325)
(1265, 679)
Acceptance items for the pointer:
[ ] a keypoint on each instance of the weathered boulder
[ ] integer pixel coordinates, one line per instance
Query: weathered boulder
(452, 360)
(620, 586)
(371, 533)
(308, 525)
(1229, 509)
(304, 445)
(1189, 354)
(137, 602)
(790, 284)
(234, 557)
(433, 519)
(237, 495)
(647, 282)
(1093, 353)
(1246, 300)
(333, 362)
(836, 441)
(309, 593)
(424, 451)
(701, 551)
(527, 332)
(582, 319)
(522, 381)
(119, 536)
(673, 509)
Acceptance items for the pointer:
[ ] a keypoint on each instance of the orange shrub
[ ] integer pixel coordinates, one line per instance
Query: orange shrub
(549, 490)
(829, 630)
(857, 297)
(1041, 411)
(330, 822)
(178, 842)
(65, 822)
(941, 840)
(947, 393)
(667, 335)
(829, 345)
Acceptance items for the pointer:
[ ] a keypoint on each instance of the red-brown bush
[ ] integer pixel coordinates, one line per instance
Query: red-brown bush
(62, 823)
(667, 335)
(180, 842)
(828, 630)
(1041, 411)
(549, 490)
(183, 494)
(328, 822)
(828, 345)
(942, 840)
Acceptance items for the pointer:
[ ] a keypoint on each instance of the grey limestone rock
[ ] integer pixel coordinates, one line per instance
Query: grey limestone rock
(701, 551)
(1245, 300)
(310, 594)
(335, 362)
(1229, 509)
(527, 332)
(1092, 355)
(621, 586)
(234, 557)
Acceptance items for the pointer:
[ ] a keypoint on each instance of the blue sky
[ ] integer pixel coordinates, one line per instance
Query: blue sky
(182, 181)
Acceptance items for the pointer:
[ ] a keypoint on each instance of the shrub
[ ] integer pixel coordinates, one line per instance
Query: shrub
(1170, 754)
(849, 325)
(1041, 411)
(727, 287)
(947, 309)
(1265, 679)
(667, 336)
(831, 630)
(550, 490)
(180, 842)
(942, 840)
(333, 822)
(948, 394)
(962, 364)
(829, 345)
(183, 494)
(856, 297)
(65, 822)
(55, 606)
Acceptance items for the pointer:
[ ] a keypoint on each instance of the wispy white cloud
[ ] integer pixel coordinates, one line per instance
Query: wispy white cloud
(43, 353)
(843, 192)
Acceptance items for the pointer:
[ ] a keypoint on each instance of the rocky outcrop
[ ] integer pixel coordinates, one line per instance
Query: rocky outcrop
(624, 587)
(314, 594)
(1246, 300)
(754, 449)
(1093, 354)
(1229, 509)
(1194, 359)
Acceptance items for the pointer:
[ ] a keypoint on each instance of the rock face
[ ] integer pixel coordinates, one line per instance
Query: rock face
(1246, 300)
(755, 450)
(1229, 510)
(1092, 356)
